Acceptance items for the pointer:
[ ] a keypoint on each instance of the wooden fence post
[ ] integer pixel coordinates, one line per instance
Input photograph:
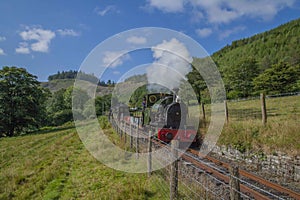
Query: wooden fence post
(174, 171)
(124, 132)
(130, 134)
(203, 111)
(118, 125)
(149, 154)
(226, 111)
(120, 129)
(234, 183)
(137, 141)
(263, 108)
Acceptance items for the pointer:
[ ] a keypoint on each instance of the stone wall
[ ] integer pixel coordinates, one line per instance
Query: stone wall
(279, 164)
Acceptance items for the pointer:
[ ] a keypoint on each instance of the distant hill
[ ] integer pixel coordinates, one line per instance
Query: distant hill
(270, 47)
(65, 79)
(55, 85)
(58, 84)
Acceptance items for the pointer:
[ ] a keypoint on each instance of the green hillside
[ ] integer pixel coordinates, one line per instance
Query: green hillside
(270, 47)
(268, 62)
(58, 84)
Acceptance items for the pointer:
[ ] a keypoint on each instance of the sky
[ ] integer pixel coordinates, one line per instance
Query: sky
(50, 36)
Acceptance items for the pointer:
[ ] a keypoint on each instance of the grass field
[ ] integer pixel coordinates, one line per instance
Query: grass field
(55, 165)
(246, 132)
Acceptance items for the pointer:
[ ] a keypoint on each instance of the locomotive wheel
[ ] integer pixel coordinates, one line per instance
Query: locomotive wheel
(169, 136)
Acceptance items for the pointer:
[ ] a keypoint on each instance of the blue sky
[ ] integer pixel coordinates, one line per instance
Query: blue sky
(49, 36)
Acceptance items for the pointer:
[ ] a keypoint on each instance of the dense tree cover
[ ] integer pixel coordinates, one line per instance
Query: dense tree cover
(22, 101)
(72, 74)
(279, 78)
(102, 104)
(108, 83)
(268, 48)
(61, 103)
(58, 110)
(239, 78)
(267, 62)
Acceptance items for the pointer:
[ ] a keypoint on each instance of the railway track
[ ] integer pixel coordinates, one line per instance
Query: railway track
(250, 176)
(219, 175)
(250, 184)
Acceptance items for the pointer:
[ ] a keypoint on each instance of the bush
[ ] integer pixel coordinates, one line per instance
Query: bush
(104, 123)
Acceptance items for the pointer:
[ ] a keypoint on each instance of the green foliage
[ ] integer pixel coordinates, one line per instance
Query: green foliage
(63, 75)
(80, 76)
(197, 82)
(258, 58)
(280, 78)
(22, 101)
(60, 117)
(102, 104)
(137, 97)
(104, 123)
(60, 105)
(239, 77)
(270, 47)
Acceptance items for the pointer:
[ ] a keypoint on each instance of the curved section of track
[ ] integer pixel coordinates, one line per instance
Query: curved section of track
(251, 176)
(195, 157)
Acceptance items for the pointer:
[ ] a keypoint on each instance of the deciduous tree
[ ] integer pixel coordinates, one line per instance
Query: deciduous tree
(22, 101)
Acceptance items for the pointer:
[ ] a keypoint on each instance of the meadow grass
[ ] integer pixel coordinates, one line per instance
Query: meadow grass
(245, 130)
(55, 165)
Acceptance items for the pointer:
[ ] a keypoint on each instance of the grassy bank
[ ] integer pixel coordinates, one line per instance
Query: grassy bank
(246, 132)
(55, 165)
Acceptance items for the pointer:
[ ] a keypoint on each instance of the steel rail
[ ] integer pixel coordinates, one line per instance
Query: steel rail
(251, 176)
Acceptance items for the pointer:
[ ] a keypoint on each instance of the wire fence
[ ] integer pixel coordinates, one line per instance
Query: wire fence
(182, 179)
(284, 106)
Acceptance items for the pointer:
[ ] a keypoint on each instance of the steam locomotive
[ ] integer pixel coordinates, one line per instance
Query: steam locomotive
(168, 115)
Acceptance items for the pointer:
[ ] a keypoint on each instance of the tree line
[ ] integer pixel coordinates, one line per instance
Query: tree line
(73, 74)
(26, 105)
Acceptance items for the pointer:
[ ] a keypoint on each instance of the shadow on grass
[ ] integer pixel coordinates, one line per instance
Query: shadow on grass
(149, 194)
(50, 130)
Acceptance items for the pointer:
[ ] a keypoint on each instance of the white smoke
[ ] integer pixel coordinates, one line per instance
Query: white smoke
(171, 64)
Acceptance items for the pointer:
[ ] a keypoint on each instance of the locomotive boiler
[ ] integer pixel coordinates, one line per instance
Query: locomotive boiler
(168, 115)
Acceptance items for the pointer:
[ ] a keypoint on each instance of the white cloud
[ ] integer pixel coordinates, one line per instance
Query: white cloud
(204, 32)
(2, 38)
(229, 32)
(136, 40)
(67, 32)
(2, 53)
(167, 5)
(42, 37)
(175, 57)
(23, 48)
(264, 9)
(107, 9)
(225, 11)
(114, 58)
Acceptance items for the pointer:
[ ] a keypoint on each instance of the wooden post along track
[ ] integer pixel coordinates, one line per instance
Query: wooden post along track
(244, 188)
(219, 175)
(251, 176)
